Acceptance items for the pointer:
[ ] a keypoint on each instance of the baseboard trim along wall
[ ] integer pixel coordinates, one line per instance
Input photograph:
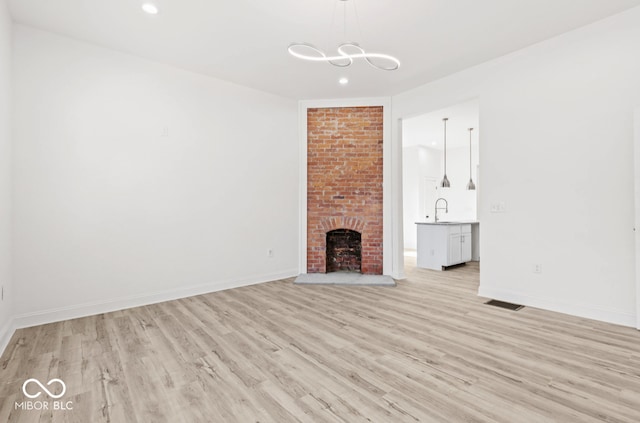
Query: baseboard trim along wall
(6, 332)
(578, 310)
(99, 307)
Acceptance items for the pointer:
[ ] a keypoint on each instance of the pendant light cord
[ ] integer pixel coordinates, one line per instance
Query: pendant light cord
(470, 186)
(445, 145)
(445, 181)
(347, 50)
(470, 166)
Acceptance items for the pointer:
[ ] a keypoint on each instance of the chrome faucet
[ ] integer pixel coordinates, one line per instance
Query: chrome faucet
(446, 207)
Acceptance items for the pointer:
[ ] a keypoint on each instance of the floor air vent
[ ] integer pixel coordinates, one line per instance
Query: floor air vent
(503, 304)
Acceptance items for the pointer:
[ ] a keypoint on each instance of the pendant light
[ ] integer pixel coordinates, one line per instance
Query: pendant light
(445, 181)
(470, 186)
(347, 51)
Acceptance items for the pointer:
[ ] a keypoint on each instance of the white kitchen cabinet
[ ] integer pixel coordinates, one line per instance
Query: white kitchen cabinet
(465, 243)
(455, 250)
(443, 244)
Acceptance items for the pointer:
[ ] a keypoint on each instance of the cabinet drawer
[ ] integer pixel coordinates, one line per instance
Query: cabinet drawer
(454, 229)
(466, 228)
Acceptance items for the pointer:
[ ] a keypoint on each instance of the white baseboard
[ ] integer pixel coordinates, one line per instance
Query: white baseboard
(6, 332)
(580, 310)
(99, 307)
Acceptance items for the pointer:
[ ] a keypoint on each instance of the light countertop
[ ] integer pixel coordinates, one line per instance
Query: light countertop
(466, 222)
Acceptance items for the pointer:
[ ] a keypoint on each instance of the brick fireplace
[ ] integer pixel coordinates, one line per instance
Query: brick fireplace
(344, 187)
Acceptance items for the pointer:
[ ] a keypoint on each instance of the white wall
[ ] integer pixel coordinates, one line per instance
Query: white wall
(138, 182)
(557, 148)
(5, 175)
(462, 202)
(411, 192)
(420, 162)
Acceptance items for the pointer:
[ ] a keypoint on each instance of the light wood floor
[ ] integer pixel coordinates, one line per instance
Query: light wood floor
(427, 350)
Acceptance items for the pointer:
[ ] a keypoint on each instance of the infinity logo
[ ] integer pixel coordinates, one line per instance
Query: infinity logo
(43, 388)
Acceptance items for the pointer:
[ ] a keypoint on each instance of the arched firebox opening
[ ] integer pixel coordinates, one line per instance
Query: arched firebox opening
(344, 251)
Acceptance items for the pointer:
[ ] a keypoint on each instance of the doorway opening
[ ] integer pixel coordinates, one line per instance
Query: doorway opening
(423, 168)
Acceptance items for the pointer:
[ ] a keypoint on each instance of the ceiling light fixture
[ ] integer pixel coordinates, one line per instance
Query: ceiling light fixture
(347, 52)
(445, 181)
(150, 8)
(343, 81)
(470, 186)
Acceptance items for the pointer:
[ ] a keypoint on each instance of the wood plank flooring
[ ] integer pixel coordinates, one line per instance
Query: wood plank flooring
(427, 350)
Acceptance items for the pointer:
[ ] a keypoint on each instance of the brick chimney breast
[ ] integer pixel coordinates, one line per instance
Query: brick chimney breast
(344, 182)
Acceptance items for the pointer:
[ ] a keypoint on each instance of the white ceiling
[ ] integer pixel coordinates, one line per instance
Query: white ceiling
(428, 129)
(245, 41)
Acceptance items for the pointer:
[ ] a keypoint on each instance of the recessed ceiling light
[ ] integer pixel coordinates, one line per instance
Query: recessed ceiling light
(343, 81)
(150, 8)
